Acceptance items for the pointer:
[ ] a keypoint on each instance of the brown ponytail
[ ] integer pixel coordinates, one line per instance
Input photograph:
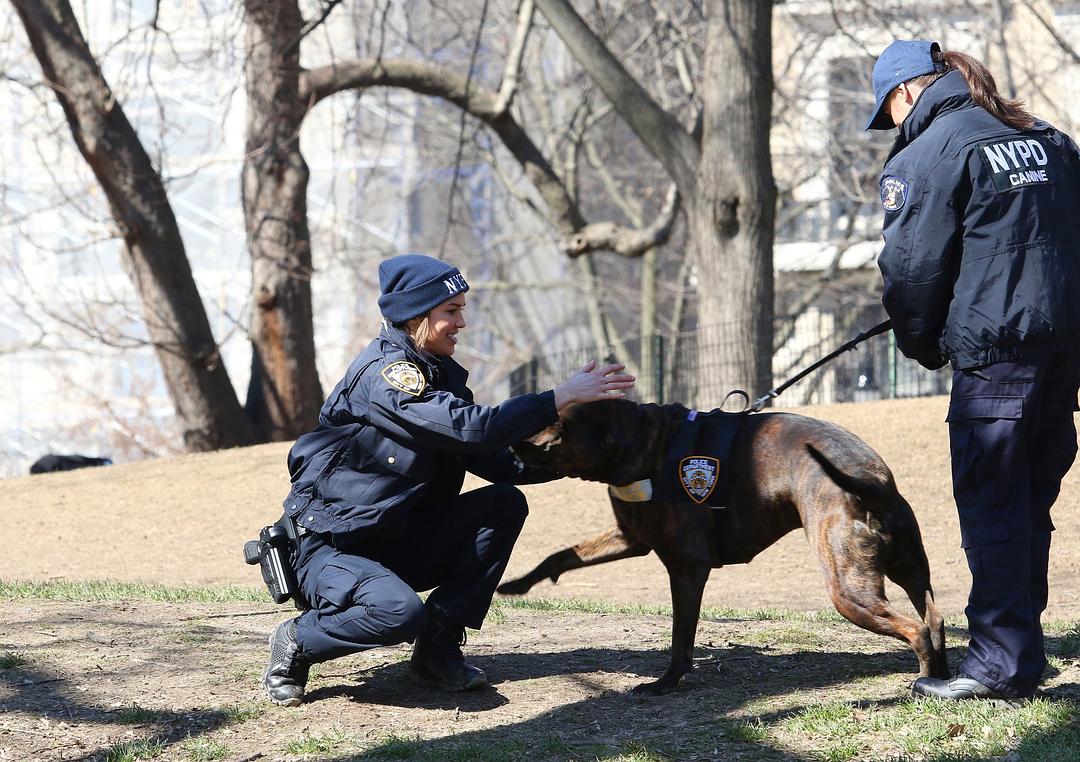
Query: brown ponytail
(983, 89)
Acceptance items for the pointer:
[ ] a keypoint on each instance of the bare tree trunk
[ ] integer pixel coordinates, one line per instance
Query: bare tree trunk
(206, 403)
(731, 218)
(284, 395)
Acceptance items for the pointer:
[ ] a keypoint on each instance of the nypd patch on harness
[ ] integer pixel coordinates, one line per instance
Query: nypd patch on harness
(697, 474)
(405, 377)
(1016, 163)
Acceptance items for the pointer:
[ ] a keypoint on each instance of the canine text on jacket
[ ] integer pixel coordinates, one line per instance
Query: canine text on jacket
(786, 471)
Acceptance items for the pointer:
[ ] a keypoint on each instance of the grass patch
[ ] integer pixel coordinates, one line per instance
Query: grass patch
(445, 750)
(574, 606)
(1068, 645)
(203, 749)
(138, 715)
(10, 659)
(130, 751)
(395, 747)
(105, 590)
(636, 752)
(747, 731)
(238, 713)
(931, 729)
(323, 744)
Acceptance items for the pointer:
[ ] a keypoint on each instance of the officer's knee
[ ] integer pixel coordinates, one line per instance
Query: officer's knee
(403, 617)
(510, 502)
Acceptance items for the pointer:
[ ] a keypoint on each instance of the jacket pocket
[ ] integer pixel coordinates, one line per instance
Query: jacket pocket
(985, 406)
(373, 474)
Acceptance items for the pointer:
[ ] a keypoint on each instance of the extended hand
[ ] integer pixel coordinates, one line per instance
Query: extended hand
(592, 383)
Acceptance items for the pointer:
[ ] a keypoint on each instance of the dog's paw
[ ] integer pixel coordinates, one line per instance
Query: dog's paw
(513, 587)
(655, 688)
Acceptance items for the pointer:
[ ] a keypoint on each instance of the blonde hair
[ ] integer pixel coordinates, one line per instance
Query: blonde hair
(418, 329)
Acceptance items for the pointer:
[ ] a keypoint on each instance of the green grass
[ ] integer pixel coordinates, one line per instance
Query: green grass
(1068, 647)
(10, 659)
(137, 715)
(322, 744)
(238, 713)
(104, 590)
(202, 749)
(574, 606)
(635, 752)
(748, 731)
(932, 729)
(415, 748)
(130, 751)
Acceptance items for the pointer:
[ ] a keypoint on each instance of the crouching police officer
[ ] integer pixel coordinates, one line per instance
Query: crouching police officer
(376, 491)
(981, 267)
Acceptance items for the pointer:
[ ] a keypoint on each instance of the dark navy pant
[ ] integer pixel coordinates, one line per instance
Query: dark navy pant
(1012, 438)
(457, 548)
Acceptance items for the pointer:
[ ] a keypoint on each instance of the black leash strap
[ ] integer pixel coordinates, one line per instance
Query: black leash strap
(879, 328)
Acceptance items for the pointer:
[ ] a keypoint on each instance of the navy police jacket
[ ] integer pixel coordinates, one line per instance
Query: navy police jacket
(982, 234)
(399, 428)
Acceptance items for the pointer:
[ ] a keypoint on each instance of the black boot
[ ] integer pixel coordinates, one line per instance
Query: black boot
(437, 657)
(287, 673)
(961, 688)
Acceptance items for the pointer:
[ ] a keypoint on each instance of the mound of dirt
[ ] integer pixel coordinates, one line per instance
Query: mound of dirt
(184, 520)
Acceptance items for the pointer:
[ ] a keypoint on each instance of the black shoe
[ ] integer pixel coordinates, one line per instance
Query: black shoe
(437, 657)
(963, 687)
(287, 673)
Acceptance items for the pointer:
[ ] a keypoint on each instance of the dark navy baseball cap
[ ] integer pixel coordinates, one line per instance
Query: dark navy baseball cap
(901, 61)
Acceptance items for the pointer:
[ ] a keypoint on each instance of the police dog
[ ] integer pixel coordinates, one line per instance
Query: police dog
(786, 471)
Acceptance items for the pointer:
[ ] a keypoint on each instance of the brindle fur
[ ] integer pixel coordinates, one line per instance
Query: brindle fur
(787, 471)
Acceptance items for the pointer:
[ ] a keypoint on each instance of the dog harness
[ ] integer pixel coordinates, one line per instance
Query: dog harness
(695, 465)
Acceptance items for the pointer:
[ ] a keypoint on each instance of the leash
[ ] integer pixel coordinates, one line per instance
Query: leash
(773, 393)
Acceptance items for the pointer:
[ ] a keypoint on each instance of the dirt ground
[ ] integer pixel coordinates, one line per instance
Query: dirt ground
(90, 677)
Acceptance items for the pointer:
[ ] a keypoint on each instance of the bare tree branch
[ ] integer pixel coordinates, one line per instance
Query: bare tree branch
(661, 133)
(430, 79)
(629, 242)
(1049, 27)
(513, 61)
(175, 318)
(311, 26)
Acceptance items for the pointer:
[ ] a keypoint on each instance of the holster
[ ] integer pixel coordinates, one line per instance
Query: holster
(276, 552)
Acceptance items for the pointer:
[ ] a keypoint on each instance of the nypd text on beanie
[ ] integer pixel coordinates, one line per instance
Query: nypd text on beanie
(412, 284)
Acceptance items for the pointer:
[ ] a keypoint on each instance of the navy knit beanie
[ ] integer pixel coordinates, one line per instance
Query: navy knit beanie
(412, 284)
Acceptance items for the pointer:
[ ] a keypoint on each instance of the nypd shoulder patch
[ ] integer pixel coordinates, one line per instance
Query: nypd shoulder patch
(893, 193)
(405, 377)
(698, 475)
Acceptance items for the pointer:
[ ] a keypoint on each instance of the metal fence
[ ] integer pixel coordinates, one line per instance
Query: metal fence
(670, 368)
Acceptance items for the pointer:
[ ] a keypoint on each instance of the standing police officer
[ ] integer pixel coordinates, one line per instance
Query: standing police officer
(376, 491)
(981, 268)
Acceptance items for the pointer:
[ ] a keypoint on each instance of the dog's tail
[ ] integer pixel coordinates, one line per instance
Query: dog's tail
(867, 483)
